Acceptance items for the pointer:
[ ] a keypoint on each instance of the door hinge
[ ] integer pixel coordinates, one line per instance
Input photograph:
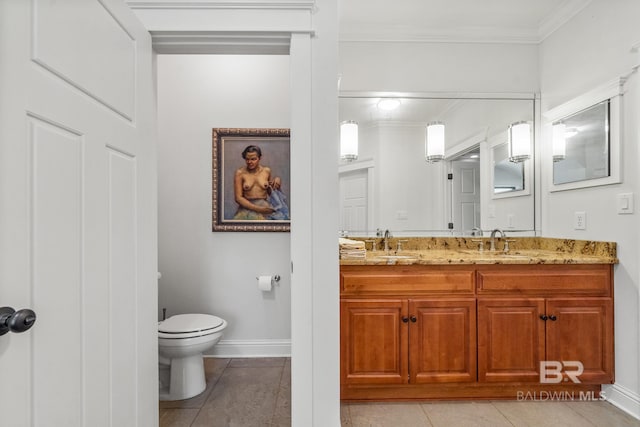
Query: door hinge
(449, 176)
(450, 226)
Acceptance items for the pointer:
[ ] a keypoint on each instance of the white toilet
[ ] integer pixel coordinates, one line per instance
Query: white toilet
(181, 341)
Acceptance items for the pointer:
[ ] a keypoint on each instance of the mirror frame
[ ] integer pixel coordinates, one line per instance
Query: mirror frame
(613, 92)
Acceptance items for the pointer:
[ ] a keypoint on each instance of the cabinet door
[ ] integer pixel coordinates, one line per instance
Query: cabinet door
(581, 330)
(511, 340)
(373, 344)
(442, 340)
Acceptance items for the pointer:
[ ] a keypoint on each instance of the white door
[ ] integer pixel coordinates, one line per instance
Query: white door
(465, 195)
(77, 214)
(354, 200)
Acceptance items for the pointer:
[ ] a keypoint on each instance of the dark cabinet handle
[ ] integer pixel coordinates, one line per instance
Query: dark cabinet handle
(544, 317)
(405, 320)
(413, 319)
(553, 318)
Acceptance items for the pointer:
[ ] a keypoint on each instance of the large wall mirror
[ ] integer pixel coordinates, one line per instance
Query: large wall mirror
(391, 186)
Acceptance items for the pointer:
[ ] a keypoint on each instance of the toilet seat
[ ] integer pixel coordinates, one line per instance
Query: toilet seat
(182, 326)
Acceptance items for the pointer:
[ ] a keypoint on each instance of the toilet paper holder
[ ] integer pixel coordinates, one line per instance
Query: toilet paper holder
(274, 279)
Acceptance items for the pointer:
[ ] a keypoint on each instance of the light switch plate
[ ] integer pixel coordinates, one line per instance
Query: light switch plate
(625, 203)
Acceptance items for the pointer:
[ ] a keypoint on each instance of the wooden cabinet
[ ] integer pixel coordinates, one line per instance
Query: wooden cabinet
(581, 329)
(442, 340)
(473, 331)
(511, 340)
(407, 325)
(399, 341)
(373, 341)
(516, 334)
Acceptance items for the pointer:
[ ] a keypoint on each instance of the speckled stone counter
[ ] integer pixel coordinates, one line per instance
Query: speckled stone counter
(523, 250)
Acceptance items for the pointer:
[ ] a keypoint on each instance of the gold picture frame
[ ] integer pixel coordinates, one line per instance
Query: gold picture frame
(234, 182)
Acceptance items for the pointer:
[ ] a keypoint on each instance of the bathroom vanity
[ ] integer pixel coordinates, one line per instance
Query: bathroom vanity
(442, 320)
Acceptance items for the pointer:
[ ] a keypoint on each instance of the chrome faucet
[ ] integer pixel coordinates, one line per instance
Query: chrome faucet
(476, 231)
(493, 238)
(387, 234)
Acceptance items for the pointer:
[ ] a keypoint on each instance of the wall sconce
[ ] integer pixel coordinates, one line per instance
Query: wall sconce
(434, 143)
(349, 140)
(519, 136)
(559, 142)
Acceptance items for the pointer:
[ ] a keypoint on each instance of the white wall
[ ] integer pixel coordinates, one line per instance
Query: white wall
(589, 51)
(438, 67)
(215, 272)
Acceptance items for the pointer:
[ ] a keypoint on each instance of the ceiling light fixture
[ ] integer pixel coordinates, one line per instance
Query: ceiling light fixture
(388, 104)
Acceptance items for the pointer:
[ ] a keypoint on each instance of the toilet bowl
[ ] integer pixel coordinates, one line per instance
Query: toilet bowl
(181, 341)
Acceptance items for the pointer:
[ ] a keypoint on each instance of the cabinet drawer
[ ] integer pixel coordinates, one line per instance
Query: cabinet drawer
(546, 279)
(417, 280)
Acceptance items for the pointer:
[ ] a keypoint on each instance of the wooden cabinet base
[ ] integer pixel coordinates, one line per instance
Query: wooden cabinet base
(521, 392)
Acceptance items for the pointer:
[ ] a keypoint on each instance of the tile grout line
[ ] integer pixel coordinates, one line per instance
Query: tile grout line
(210, 392)
(579, 414)
(502, 413)
(426, 414)
(279, 389)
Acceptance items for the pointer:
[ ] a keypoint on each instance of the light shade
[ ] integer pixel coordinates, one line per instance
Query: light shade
(559, 144)
(519, 135)
(434, 144)
(349, 140)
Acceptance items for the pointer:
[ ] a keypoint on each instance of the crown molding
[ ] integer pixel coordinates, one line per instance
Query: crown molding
(534, 34)
(560, 16)
(219, 4)
(393, 34)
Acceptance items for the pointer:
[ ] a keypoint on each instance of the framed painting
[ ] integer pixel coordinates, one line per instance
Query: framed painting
(251, 179)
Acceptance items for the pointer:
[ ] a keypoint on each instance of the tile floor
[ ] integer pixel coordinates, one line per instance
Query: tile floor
(257, 392)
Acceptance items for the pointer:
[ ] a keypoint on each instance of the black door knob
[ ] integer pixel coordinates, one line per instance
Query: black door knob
(16, 321)
(543, 317)
(553, 318)
(413, 319)
(405, 320)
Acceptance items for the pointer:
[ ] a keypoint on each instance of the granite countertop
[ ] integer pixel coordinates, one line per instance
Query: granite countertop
(523, 250)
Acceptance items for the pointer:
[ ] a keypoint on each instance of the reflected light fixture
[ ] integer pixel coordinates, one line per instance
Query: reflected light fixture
(559, 142)
(434, 143)
(388, 104)
(519, 137)
(349, 140)
(570, 132)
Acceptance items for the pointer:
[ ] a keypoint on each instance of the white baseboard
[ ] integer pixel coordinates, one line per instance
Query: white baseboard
(623, 398)
(251, 348)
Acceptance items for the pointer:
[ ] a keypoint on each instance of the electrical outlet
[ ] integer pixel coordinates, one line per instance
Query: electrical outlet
(580, 221)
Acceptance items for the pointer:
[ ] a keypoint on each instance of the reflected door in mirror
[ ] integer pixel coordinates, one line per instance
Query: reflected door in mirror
(353, 200)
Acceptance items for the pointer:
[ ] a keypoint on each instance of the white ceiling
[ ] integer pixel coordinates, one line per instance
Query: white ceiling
(511, 21)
